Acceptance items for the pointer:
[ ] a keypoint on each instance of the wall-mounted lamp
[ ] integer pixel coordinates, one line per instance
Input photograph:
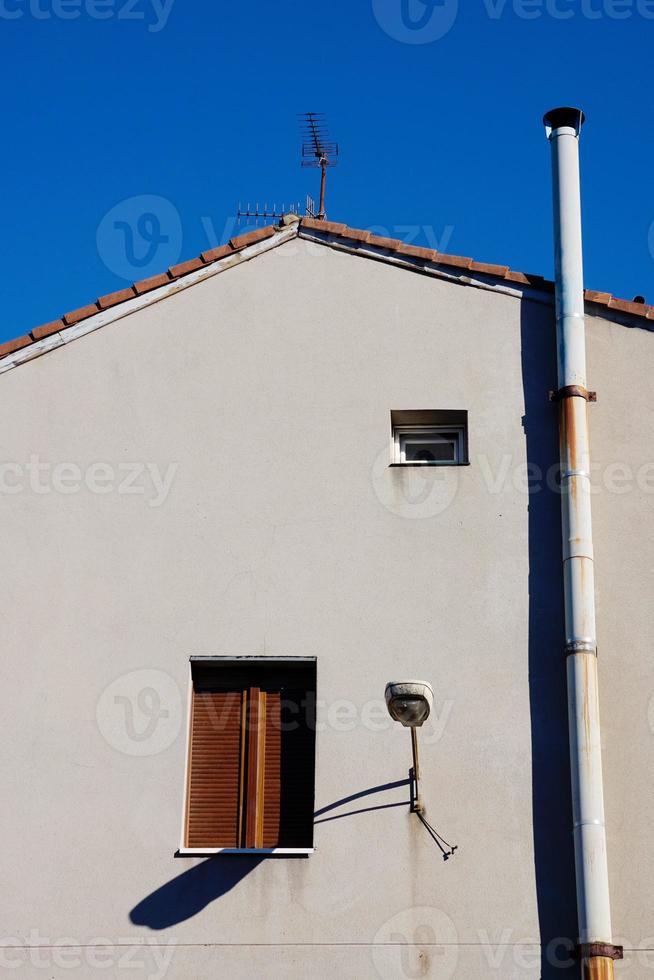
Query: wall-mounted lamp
(410, 703)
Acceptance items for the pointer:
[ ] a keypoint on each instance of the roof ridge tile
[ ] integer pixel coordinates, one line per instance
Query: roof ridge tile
(18, 343)
(70, 319)
(47, 329)
(112, 299)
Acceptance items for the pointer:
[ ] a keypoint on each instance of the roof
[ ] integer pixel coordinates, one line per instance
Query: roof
(458, 268)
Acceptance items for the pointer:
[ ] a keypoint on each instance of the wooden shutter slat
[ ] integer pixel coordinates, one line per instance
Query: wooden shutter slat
(253, 755)
(215, 765)
(272, 766)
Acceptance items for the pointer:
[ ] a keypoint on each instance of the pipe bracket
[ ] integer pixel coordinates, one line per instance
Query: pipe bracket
(573, 391)
(587, 951)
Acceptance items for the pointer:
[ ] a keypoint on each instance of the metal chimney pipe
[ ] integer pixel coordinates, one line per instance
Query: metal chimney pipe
(563, 127)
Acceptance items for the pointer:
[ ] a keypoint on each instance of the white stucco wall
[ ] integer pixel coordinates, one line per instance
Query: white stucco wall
(264, 396)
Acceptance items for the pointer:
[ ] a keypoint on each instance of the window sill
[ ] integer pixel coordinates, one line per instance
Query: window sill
(430, 465)
(262, 851)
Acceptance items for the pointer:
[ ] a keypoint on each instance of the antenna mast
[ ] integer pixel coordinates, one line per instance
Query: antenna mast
(318, 150)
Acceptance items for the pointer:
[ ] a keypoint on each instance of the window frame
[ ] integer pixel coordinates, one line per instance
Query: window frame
(421, 433)
(183, 850)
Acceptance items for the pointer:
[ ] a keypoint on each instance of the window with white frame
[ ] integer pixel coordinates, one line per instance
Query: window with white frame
(429, 438)
(431, 445)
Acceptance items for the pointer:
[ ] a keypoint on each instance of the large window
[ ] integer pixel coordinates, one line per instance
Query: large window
(251, 749)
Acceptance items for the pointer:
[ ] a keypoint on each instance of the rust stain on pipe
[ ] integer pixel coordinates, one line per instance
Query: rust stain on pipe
(599, 968)
(586, 706)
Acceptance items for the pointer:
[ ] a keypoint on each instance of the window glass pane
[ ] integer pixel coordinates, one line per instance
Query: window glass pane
(436, 449)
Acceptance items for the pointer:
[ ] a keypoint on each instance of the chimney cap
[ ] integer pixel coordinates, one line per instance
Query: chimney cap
(564, 116)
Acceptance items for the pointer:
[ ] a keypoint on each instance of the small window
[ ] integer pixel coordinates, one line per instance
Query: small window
(430, 445)
(251, 749)
(429, 438)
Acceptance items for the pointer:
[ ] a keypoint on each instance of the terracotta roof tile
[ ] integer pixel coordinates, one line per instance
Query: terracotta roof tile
(183, 268)
(331, 227)
(594, 297)
(516, 277)
(217, 253)
(13, 345)
(460, 261)
(111, 299)
(380, 242)
(417, 252)
(47, 329)
(356, 234)
(145, 285)
(258, 235)
(625, 306)
(490, 270)
(539, 282)
(80, 314)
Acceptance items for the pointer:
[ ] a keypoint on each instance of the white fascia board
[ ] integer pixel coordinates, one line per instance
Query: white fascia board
(464, 278)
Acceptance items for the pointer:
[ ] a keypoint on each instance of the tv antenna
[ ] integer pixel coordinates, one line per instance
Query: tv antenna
(263, 213)
(318, 150)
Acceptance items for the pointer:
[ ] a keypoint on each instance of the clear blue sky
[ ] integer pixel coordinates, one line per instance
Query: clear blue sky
(197, 104)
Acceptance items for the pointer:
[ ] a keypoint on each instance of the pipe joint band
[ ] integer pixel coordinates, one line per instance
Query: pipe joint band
(573, 391)
(580, 646)
(586, 951)
(571, 315)
(570, 473)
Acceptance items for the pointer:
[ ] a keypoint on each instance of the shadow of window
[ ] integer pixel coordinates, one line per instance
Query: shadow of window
(192, 891)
